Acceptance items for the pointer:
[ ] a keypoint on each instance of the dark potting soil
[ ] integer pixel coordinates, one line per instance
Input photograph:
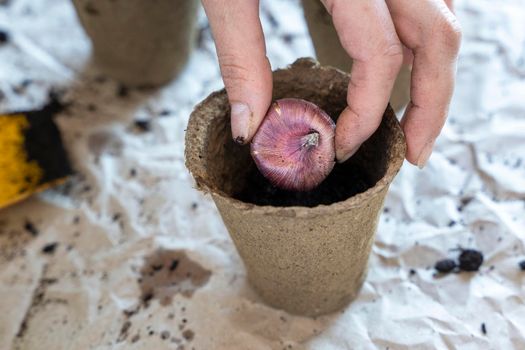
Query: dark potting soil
(470, 260)
(342, 183)
(4, 37)
(445, 265)
(483, 328)
(123, 91)
(142, 125)
(50, 248)
(31, 228)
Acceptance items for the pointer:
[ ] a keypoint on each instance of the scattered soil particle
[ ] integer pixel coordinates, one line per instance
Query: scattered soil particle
(22, 87)
(142, 125)
(133, 172)
(484, 328)
(49, 281)
(124, 331)
(135, 338)
(464, 202)
(288, 38)
(202, 34)
(188, 334)
(156, 267)
(445, 265)
(130, 313)
(412, 272)
(470, 260)
(37, 300)
(123, 91)
(165, 113)
(174, 265)
(165, 274)
(147, 298)
(50, 248)
(521, 264)
(164, 335)
(271, 18)
(91, 9)
(31, 228)
(4, 37)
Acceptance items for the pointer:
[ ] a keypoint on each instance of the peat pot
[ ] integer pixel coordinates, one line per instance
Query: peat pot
(306, 259)
(138, 42)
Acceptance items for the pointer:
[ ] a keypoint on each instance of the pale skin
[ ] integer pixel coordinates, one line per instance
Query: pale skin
(379, 36)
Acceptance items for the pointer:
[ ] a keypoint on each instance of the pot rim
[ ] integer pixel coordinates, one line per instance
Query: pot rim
(197, 130)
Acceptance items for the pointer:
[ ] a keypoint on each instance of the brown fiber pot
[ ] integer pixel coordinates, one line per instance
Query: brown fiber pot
(307, 261)
(140, 42)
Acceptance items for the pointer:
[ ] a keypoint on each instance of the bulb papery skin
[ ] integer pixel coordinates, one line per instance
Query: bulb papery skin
(294, 146)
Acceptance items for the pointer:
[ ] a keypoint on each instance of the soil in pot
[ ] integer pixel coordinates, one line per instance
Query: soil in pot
(345, 180)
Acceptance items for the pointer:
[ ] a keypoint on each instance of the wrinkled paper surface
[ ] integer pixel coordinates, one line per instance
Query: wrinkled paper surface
(131, 213)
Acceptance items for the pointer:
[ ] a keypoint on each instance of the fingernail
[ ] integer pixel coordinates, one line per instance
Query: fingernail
(240, 119)
(424, 155)
(344, 156)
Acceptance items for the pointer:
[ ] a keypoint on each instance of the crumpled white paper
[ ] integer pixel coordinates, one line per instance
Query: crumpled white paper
(131, 208)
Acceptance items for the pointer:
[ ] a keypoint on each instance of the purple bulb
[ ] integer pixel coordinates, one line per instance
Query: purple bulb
(294, 146)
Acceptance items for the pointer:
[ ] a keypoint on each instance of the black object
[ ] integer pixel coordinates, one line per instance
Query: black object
(123, 91)
(49, 248)
(174, 265)
(30, 227)
(345, 181)
(522, 265)
(445, 265)
(470, 259)
(4, 37)
(143, 125)
(42, 141)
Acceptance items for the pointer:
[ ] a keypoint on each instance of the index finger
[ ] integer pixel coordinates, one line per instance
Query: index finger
(368, 35)
(245, 69)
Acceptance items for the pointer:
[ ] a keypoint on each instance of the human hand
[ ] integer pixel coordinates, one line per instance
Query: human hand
(376, 35)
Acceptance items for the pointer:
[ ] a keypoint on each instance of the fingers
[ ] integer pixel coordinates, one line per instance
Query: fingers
(450, 4)
(435, 46)
(244, 66)
(368, 35)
